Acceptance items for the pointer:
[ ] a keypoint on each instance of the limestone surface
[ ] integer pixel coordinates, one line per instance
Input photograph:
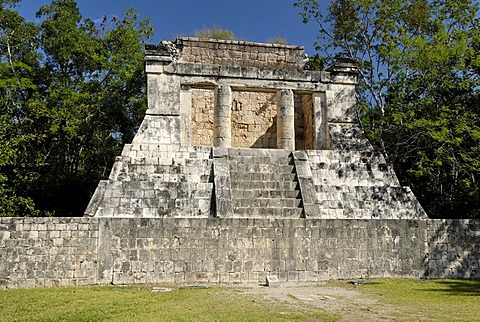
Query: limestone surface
(241, 129)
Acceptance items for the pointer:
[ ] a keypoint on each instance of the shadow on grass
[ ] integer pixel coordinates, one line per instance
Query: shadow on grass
(457, 287)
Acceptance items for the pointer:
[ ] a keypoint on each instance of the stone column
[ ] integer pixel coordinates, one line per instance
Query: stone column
(185, 115)
(320, 126)
(223, 116)
(285, 120)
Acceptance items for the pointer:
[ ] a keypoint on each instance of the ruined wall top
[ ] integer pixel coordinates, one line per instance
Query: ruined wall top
(230, 53)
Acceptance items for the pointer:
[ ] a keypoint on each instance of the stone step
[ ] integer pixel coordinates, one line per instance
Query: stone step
(252, 212)
(256, 193)
(273, 153)
(268, 203)
(265, 185)
(262, 168)
(348, 213)
(262, 160)
(364, 198)
(358, 188)
(344, 156)
(272, 177)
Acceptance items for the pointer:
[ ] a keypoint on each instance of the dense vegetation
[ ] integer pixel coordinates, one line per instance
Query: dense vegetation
(419, 64)
(72, 92)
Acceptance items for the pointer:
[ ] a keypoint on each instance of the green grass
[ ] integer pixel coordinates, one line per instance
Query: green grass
(404, 300)
(140, 304)
(427, 300)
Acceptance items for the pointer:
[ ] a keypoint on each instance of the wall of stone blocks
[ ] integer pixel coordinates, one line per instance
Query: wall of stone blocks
(44, 252)
(254, 119)
(299, 123)
(203, 107)
(304, 107)
(307, 107)
(41, 252)
(239, 53)
(453, 249)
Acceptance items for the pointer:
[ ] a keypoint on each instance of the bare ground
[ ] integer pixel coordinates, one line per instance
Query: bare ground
(348, 302)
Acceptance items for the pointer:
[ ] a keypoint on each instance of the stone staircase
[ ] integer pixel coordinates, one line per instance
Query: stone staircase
(152, 180)
(359, 184)
(155, 181)
(264, 184)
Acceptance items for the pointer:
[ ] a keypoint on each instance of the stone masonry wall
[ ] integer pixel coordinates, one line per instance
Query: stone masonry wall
(239, 53)
(254, 120)
(39, 252)
(202, 117)
(299, 123)
(44, 252)
(307, 107)
(304, 133)
(453, 249)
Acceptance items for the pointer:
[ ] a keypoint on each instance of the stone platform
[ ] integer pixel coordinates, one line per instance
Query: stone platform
(240, 130)
(201, 182)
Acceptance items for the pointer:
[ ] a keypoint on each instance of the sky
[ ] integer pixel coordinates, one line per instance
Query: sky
(251, 20)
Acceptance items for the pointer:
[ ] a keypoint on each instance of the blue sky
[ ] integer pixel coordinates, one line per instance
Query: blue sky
(252, 20)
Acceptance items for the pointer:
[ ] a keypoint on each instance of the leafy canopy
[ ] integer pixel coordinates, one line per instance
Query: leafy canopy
(72, 92)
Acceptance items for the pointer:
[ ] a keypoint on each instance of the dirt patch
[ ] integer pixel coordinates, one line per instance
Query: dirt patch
(348, 302)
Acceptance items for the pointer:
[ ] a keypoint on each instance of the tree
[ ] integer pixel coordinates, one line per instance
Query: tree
(418, 89)
(81, 99)
(17, 59)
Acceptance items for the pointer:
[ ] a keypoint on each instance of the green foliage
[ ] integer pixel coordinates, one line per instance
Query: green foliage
(316, 62)
(215, 32)
(277, 40)
(418, 90)
(72, 93)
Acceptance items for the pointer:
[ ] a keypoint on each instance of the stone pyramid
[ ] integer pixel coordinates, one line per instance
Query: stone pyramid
(239, 129)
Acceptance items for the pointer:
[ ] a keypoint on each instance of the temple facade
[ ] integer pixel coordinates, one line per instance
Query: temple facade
(239, 129)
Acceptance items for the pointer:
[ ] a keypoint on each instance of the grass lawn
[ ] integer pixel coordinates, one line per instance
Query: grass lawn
(429, 300)
(111, 303)
(405, 299)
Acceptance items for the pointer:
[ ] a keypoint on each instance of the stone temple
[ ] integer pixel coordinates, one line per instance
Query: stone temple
(239, 129)
(246, 167)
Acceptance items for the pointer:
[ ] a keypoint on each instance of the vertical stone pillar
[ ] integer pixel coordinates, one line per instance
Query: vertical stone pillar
(320, 110)
(285, 120)
(223, 116)
(185, 115)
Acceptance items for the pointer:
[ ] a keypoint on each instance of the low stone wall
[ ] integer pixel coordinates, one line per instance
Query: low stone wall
(38, 252)
(239, 53)
(453, 249)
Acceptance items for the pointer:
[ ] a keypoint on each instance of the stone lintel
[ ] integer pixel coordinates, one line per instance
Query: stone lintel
(191, 69)
(252, 84)
(157, 58)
